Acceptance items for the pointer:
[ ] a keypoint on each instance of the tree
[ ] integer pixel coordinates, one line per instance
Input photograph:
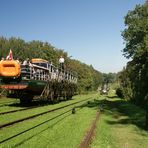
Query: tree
(136, 39)
(88, 78)
(136, 33)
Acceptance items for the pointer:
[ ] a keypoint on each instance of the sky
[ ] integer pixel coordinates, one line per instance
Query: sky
(88, 30)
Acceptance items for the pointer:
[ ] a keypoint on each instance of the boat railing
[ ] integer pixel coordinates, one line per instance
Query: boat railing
(41, 73)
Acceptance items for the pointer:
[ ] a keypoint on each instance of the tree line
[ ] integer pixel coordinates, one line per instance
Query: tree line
(133, 79)
(88, 78)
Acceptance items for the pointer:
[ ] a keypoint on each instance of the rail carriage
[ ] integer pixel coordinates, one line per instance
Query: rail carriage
(37, 78)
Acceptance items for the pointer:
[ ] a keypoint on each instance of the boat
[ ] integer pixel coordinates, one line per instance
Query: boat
(36, 77)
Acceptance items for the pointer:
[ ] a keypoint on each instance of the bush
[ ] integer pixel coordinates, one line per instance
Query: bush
(119, 92)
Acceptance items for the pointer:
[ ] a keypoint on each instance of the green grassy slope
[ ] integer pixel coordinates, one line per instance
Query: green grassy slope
(121, 125)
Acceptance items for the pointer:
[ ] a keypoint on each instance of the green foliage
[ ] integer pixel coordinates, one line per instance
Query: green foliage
(88, 78)
(109, 78)
(133, 79)
(136, 33)
(119, 92)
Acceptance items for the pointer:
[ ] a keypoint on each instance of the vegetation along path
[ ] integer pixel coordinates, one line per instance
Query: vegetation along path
(121, 124)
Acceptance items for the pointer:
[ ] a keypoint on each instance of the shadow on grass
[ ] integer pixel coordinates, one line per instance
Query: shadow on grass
(44, 122)
(7, 103)
(30, 137)
(113, 97)
(132, 114)
(124, 112)
(31, 104)
(36, 103)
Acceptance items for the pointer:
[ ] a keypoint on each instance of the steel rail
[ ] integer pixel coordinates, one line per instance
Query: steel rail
(39, 114)
(16, 110)
(16, 135)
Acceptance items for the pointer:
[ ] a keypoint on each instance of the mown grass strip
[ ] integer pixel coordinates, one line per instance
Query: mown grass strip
(16, 110)
(89, 135)
(64, 131)
(35, 126)
(121, 125)
(15, 116)
(33, 116)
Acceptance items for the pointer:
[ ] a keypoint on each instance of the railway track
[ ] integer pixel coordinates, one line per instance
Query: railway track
(8, 103)
(18, 110)
(63, 113)
(46, 121)
(22, 109)
(39, 114)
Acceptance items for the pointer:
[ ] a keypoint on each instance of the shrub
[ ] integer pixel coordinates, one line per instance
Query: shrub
(119, 92)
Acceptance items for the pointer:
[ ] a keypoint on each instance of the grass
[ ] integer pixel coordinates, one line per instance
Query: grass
(69, 131)
(22, 114)
(121, 125)
(65, 130)
(7, 101)
(104, 135)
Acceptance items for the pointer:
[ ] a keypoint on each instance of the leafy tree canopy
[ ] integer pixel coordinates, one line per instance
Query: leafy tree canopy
(133, 79)
(88, 77)
(136, 32)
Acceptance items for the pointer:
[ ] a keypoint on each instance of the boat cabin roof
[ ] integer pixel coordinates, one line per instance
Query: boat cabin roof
(38, 60)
